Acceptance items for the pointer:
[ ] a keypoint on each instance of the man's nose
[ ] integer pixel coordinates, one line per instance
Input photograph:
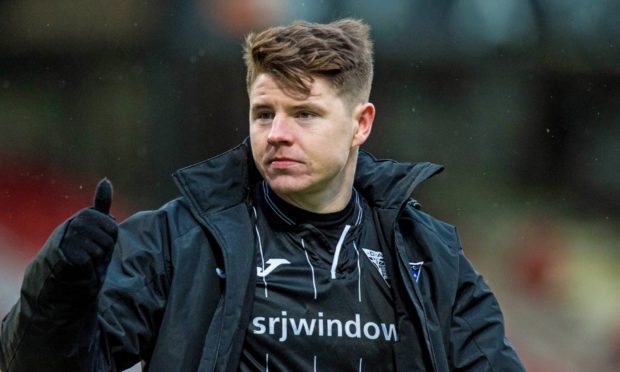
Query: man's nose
(281, 131)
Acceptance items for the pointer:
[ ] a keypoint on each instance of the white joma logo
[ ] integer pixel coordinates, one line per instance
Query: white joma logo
(273, 263)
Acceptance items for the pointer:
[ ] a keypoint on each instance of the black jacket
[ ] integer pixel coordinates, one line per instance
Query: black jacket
(163, 301)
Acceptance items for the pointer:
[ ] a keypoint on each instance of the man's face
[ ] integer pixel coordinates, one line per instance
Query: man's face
(306, 148)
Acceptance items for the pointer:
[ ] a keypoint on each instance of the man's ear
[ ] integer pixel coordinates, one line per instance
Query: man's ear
(364, 115)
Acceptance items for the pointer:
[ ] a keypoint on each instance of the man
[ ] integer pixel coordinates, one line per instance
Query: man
(291, 251)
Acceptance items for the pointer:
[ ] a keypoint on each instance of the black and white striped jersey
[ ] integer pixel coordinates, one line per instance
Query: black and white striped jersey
(322, 300)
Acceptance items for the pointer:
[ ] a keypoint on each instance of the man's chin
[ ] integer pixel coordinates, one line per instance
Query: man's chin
(286, 186)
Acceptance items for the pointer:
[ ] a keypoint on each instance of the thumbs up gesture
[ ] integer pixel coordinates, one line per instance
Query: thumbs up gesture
(90, 237)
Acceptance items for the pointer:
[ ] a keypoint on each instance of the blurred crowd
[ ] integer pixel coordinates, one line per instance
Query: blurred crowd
(518, 99)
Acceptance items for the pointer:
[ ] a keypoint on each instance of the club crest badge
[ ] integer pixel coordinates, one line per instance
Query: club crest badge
(376, 258)
(415, 269)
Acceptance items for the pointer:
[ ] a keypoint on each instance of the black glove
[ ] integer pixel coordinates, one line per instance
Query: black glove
(90, 238)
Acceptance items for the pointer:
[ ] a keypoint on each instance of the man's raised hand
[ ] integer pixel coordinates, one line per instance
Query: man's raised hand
(90, 237)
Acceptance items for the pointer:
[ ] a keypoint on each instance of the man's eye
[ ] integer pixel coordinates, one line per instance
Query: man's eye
(264, 115)
(306, 115)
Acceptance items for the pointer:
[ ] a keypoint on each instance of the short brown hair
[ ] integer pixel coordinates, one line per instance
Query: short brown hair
(340, 51)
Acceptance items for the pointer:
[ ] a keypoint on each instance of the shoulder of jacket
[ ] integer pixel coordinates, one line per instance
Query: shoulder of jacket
(427, 225)
(174, 217)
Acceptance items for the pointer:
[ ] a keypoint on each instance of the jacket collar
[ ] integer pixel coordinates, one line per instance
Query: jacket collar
(388, 184)
(226, 180)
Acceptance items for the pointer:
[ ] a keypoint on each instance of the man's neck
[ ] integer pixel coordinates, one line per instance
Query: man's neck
(303, 216)
(320, 203)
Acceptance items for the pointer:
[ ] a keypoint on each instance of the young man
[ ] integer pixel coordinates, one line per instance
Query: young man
(291, 251)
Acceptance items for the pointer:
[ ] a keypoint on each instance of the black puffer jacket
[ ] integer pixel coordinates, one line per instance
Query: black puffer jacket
(163, 301)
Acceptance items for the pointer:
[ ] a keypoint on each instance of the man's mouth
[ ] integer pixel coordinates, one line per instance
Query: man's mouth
(282, 162)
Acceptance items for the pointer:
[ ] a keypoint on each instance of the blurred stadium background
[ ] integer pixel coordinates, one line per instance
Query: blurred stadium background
(519, 99)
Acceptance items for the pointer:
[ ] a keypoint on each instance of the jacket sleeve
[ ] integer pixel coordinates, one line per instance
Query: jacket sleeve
(51, 324)
(75, 326)
(134, 295)
(478, 342)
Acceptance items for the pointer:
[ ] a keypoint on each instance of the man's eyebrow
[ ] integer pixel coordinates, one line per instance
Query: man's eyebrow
(260, 106)
(309, 107)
